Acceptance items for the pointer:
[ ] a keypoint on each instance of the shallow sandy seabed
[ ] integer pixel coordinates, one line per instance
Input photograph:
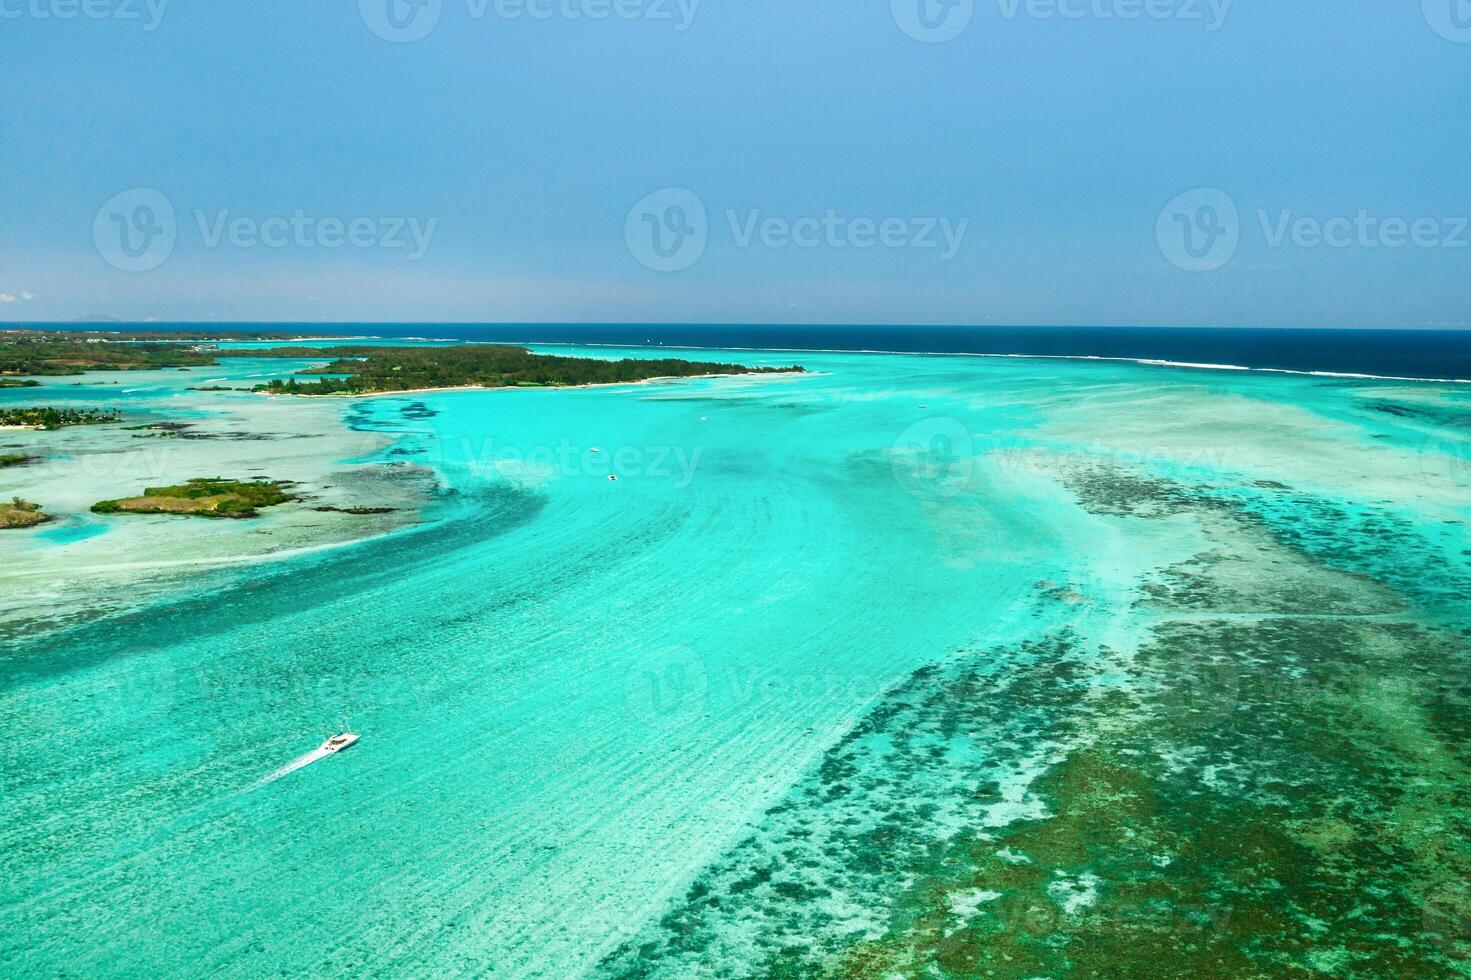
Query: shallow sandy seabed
(83, 563)
(913, 666)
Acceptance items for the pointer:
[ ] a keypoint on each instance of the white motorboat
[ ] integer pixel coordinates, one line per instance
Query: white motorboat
(339, 742)
(332, 746)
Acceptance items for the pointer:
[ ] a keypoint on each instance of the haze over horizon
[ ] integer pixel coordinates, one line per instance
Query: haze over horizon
(660, 162)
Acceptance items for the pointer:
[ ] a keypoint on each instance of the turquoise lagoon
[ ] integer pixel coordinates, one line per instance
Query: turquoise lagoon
(909, 666)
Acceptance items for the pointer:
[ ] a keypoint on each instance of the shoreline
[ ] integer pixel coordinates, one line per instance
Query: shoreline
(596, 384)
(1144, 361)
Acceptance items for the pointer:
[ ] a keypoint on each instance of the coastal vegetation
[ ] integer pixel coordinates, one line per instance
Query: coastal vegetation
(15, 459)
(58, 352)
(365, 370)
(57, 418)
(50, 418)
(201, 497)
(19, 383)
(347, 370)
(21, 513)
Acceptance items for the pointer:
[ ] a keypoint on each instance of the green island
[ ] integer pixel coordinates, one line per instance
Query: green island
(202, 497)
(21, 513)
(368, 370)
(60, 354)
(15, 459)
(68, 352)
(57, 418)
(348, 370)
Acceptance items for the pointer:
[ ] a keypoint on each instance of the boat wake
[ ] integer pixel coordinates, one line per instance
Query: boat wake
(290, 767)
(332, 746)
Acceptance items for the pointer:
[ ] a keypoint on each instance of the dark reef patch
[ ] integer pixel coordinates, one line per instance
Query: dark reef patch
(1273, 782)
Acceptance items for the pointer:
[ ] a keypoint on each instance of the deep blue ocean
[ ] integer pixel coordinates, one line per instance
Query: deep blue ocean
(1441, 353)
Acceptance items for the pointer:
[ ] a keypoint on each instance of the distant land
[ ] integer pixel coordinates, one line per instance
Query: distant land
(369, 370)
(366, 369)
(60, 353)
(1421, 352)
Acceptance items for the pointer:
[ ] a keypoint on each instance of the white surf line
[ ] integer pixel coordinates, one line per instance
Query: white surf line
(1149, 361)
(1152, 362)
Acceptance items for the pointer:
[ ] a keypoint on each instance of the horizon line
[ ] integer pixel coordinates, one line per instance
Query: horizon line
(104, 324)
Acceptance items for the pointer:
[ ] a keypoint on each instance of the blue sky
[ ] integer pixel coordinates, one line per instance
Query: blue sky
(852, 164)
